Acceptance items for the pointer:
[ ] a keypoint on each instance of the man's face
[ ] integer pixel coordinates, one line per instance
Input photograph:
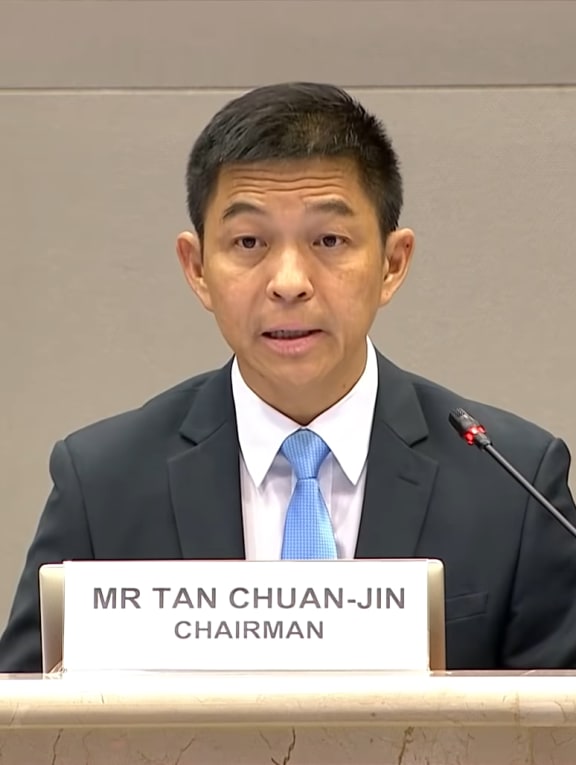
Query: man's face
(294, 268)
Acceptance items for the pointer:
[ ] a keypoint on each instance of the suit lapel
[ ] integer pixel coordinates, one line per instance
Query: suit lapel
(204, 476)
(399, 479)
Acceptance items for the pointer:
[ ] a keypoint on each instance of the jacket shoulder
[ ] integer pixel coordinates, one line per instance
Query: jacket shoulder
(438, 401)
(153, 422)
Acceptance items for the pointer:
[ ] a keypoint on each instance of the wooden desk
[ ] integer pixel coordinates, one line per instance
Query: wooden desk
(293, 719)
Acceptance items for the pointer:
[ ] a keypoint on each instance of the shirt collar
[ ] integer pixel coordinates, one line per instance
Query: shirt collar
(345, 427)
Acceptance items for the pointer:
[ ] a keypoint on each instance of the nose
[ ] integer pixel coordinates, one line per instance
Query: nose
(289, 279)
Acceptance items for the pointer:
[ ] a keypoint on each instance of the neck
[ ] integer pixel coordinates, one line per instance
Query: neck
(302, 408)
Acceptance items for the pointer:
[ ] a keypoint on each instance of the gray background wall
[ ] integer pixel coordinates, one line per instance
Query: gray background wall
(99, 104)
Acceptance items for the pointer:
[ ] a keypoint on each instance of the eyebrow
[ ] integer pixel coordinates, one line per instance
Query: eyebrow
(239, 208)
(329, 206)
(332, 206)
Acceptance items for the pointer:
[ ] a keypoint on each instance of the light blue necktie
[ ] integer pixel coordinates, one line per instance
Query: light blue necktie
(308, 533)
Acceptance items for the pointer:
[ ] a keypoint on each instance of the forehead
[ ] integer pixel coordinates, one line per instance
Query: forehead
(300, 179)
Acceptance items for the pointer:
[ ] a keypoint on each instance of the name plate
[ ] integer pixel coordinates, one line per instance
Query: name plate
(244, 615)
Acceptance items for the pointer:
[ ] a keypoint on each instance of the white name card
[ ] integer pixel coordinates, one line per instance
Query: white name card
(240, 615)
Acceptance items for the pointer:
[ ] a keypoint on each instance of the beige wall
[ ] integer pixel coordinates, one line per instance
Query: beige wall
(99, 104)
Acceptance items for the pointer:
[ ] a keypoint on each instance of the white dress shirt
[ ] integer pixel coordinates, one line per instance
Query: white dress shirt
(266, 476)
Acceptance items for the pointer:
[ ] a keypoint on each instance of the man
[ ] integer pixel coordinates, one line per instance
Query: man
(295, 194)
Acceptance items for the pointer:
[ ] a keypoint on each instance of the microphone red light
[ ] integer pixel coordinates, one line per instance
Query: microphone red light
(471, 434)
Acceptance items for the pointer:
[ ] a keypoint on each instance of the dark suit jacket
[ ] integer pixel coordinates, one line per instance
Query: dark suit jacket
(163, 482)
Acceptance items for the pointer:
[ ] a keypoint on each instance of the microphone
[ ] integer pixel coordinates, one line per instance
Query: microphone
(475, 434)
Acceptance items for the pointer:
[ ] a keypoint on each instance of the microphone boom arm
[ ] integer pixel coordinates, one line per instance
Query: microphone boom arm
(475, 435)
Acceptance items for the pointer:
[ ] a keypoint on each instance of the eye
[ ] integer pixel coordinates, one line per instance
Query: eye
(247, 242)
(330, 241)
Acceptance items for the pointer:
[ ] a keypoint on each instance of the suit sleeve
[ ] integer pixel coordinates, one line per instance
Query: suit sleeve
(62, 534)
(541, 630)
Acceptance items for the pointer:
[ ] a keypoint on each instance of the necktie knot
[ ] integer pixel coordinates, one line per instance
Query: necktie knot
(305, 451)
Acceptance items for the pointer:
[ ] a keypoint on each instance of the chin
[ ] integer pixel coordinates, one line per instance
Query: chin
(302, 377)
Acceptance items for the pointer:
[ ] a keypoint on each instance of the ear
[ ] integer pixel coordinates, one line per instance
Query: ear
(397, 258)
(189, 251)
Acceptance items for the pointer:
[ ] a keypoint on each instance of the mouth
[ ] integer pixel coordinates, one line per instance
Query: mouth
(292, 343)
(290, 334)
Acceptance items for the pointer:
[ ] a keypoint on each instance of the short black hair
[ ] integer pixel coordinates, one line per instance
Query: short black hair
(296, 120)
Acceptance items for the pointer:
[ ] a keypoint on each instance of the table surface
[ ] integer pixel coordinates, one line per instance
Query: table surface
(525, 699)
